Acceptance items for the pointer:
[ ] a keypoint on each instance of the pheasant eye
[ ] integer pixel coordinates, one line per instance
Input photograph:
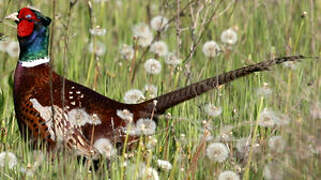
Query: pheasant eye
(28, 16)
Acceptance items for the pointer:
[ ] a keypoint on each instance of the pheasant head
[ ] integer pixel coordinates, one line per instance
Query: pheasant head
(32, 32)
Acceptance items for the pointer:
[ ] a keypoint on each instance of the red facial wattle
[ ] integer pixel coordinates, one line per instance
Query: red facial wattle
(25, 28)
(26, 23)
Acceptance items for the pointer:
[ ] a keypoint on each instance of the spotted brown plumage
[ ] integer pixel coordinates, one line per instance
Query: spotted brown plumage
(61, 113)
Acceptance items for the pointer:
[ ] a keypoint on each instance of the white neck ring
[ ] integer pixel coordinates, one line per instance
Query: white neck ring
(34, 62)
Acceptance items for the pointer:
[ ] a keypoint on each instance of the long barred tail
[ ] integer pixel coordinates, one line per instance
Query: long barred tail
(178, 96)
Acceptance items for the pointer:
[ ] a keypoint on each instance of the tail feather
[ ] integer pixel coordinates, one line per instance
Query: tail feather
(178, 96)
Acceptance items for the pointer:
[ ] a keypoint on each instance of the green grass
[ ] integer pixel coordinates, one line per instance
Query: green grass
(265, 29)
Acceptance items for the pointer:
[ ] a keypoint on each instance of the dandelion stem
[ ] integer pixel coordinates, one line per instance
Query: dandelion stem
(199, 151)
(298, 36)
(123, 156)
(248, 165)
(92, 58)
(135, 56)
(289, 91)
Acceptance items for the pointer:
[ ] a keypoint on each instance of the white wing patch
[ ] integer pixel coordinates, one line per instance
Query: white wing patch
(65, 127)
(46, 114)
(65, 122)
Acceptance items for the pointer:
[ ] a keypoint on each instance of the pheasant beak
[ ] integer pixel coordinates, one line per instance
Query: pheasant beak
(13, 17)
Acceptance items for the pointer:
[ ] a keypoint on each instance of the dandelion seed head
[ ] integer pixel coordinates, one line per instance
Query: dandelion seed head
(211, 49)
(97, 31)
(152, 66)
(209, 1)
(9, 159)
(150, 90)
(104, 147)
(267, 118)
(315, 111)
(101, 1)
(229, 36)
(124, 164)
(303, 152)
(98, 48)
(290, 64)
(78, 117)
(243, 145)
(146, 126)
(145, 41)
(127, 52)
(10, 46)
(94, 119)
(155, 102)
(28, 171)
(217, 152)
(160, 48)
(142, 32)
(126, 115)
(172, 59)
(228, 175)
(282, 119)
(264, 91)
(314, 144)
(277, 143)
(133, 170)
(149, 173)
(272, 171)
(4, 45)
(212, 110)
(225, 134)
(39, 157)
(209, 138)
(159, 22)
(166, 165)
(140, 171)
(134, 96)
(13, 49)
(131, 129)
(119, 3)
(141, 29)
(152, 142)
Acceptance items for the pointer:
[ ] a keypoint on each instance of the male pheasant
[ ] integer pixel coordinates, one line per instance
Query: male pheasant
(58, 112)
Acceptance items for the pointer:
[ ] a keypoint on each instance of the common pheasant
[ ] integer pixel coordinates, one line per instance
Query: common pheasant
(58, 112)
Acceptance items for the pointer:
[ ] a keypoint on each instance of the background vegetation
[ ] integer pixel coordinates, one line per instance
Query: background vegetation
(265, 29)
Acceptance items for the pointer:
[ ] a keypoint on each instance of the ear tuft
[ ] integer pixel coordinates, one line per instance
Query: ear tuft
(45, 20)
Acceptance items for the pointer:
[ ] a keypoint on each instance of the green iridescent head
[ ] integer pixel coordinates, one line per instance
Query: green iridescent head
(32, 32)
